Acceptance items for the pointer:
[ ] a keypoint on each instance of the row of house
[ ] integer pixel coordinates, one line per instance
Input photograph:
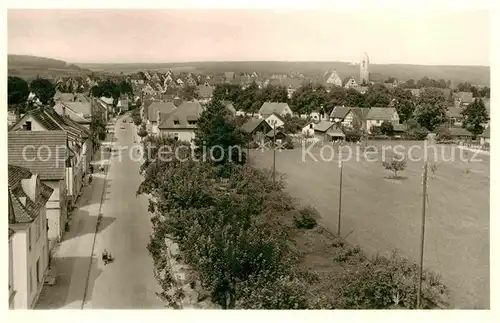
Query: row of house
(50, 151)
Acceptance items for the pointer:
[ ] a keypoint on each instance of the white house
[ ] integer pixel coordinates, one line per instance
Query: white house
(334, 79)
(376, 116)
(274, 120)
(308, 130)
(28, 239)
(279, 108)
(181, 123)
(351, 83)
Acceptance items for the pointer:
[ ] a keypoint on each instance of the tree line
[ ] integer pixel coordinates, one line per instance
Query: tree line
(238, 230)
(426, 111)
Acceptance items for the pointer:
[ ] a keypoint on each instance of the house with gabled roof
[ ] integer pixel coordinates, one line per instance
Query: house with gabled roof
(280, 108)
(334, 79)
(28, 236)
(347, 116)
(79, 112)
(230, 107)
(328, 131)
(463, 99)
(376, 116)
(350, 83)
(181, 123)
(156, 108)
(256, 128)
(205, 93)
(78, 141)
(46, 154)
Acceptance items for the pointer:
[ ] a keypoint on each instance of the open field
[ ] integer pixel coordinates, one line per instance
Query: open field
(381, 214)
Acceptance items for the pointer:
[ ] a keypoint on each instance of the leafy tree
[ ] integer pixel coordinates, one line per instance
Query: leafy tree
(97, 128)
(410, 84)
(17, 93)
(475, 115)
(464, 87)
(395, 165)
(336, 97)
(142, 131)
(387, 128)
(44, 90)
(414, 130)
(431, 109)
(273, 93)
(293, 124)
(249, 101)
(216, 132)
(443, 133)
(404, 103)
(355, 99)
(126, 88)
(484, 92)
(228, 92)
(189, 93)
(377, 96)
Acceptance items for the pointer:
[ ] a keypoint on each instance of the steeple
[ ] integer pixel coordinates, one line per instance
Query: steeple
(364, 70)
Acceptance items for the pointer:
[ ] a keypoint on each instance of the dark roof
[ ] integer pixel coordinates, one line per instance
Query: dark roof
(339, 112)
(56, 142)
(380, 113)
(323, 125)
(28, 211)
(252, 124)
(179, 117)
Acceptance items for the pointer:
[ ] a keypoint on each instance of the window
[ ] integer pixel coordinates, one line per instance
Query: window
(38, 272)
(192, 122)
(176, 136)
(176, 122)
(29, 239)
(27, 125)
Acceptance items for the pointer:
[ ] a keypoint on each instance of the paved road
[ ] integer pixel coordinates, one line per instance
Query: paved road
(128, 282)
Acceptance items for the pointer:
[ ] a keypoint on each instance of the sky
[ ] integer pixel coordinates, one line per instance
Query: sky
(133, 36)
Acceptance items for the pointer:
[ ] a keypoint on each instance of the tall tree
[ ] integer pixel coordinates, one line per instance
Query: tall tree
(431, 109)
(404, 103)
(355, 99)
(44, 90)
(377, 96)
(216, 131)
(188, 93)
(336, 97)
(475, 115)
(17, 94)
(249, 101)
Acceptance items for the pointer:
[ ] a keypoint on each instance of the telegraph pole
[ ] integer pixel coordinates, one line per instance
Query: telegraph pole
(340, 197)
(274, 152)
(422, 236)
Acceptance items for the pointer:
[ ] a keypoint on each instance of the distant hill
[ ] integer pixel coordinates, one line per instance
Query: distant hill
(29, 67)
(479, 75)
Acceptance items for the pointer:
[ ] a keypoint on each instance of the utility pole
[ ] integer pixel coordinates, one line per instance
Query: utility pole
(340, 198)
(274, 152)
(422, 236)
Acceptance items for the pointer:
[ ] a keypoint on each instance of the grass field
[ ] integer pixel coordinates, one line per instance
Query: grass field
(382, 214)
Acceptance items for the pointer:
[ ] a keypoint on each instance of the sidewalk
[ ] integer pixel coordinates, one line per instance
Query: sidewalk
(71, 259)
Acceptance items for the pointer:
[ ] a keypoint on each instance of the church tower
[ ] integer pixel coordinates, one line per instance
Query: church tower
(363, 70)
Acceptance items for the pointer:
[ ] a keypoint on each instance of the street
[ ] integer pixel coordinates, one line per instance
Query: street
(128, 281)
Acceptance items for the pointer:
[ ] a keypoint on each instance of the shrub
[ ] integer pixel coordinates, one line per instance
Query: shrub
(288, 143)
(395, 165)
(375, 131)
(387, 282)
(387, 128)
(307, 218)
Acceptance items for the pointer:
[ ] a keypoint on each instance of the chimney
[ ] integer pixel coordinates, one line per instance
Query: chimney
(29, 186)
(63, 110)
